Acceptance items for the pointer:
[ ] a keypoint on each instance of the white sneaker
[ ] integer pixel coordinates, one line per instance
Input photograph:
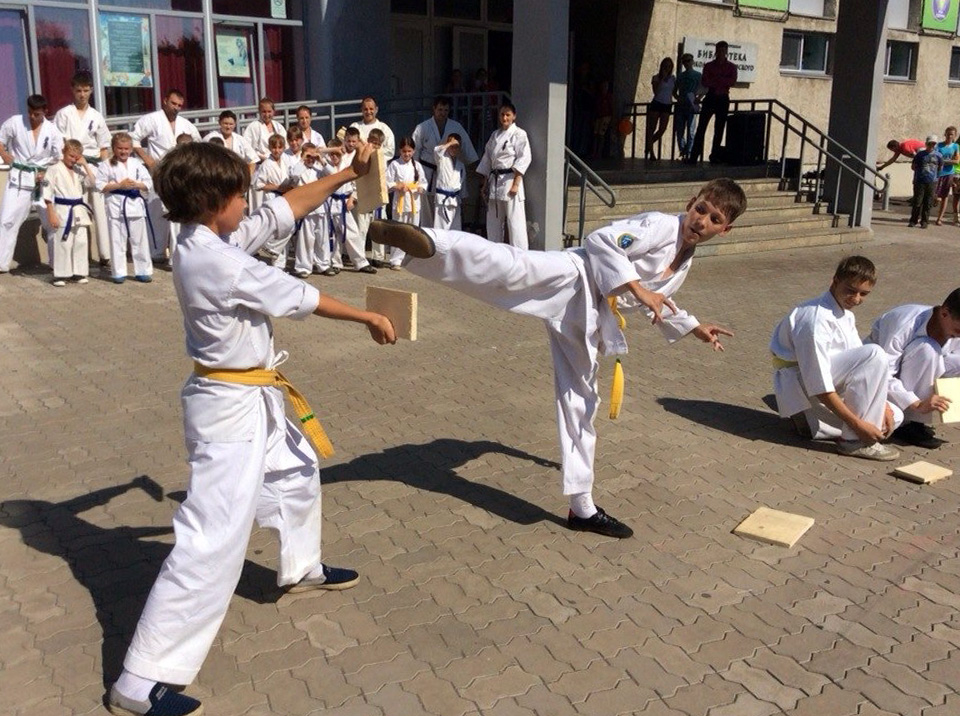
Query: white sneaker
(59, 282)
(873, 451)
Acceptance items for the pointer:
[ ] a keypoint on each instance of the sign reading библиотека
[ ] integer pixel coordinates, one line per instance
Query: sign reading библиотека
(742, 54)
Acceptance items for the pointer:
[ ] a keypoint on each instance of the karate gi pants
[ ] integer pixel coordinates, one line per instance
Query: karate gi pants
(447, 216)
(922, 363)
(310, 228)
(271, 477)
(355, 241)
(139, 240)
(100, 226)
(860, 378)
(511, 213)
(14, 208)
(70, 257)
(328, 250)
(547, 285)
(161, 238)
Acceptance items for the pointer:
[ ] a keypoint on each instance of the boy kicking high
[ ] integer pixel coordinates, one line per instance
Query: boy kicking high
(247, 460)
(639, 262)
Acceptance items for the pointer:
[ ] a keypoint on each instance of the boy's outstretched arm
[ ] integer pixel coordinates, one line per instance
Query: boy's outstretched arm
(652, 300)
(381, 330)
(308, 197)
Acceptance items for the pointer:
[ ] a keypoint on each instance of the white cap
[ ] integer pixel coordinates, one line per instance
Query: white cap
(932, 138)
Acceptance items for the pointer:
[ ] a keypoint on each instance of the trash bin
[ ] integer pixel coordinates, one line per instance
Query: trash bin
(746, 132)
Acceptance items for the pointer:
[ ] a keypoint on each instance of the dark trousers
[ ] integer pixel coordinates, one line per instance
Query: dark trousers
(713, 106)
(921, 202)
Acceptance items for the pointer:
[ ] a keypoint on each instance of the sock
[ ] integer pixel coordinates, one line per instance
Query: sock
(315, 573)
(581, 504)
(135, 687)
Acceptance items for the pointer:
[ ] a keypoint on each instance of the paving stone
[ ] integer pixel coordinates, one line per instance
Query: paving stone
(763, 685)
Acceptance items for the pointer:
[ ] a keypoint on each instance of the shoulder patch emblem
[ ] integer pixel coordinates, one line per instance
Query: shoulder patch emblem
(625, 240)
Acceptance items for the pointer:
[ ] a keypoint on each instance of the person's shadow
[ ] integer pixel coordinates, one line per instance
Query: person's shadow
(116, 565)
(743, 422)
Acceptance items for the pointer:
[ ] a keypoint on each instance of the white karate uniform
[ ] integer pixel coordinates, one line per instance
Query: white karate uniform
(276, 172)
(914, 359)
(237, 144)
(566, 289)
(354, 235)
(389, 146)
(68, 250)
(258, 136)
(314, 137)
(449, 190)
(247, 460)
(507, 150)
(407, 203)
(328, 250)
(161, 136)
(426, 137)
(311, 226)
(90, 129)
(46, 150)
(820, 338)
(127, 217)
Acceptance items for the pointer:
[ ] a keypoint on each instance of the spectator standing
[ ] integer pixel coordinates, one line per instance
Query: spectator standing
(658, 111)
(719, 75)
(926, 166)
(948, 149)
(506, 159)
(688, 105)
(369, 121)
(907, 148)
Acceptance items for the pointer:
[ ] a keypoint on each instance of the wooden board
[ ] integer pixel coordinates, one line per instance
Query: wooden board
(923, 472)
(399, 306)
(372, 186)
(949, 388)
(774, 527)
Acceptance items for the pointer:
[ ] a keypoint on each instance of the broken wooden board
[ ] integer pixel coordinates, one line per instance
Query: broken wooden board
(399, 306)
(774, 527)
(949, 388)
(923, 473)
(372, 186)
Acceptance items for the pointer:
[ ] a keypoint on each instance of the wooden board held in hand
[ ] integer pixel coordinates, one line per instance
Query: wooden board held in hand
(774, 527)
(923, 472)
(372, 186)
(399, 306)
(949, 388)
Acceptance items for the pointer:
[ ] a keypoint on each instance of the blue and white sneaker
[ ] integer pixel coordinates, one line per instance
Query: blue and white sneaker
(334, 578)
(163, 701)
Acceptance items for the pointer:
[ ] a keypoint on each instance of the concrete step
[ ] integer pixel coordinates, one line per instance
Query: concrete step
(767, 226)
(680, 189)
(794, 239)
(629, 206)
(786, 209)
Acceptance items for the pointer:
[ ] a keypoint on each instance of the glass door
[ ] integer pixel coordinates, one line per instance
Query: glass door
(236, 52)
(13, 62)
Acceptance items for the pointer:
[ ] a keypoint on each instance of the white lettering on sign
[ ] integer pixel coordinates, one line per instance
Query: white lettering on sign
(744, 55)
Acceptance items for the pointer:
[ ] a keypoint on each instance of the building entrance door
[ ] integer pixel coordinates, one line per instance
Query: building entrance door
(13, 61)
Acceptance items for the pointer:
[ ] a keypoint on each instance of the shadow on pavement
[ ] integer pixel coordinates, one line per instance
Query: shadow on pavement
(116, 565)
(432, 467)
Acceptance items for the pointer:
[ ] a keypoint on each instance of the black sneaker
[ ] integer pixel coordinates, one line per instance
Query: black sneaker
(601, 523)
(408, 238)
(334, 578)
(162, 701)
(914, 433)
(367, 269)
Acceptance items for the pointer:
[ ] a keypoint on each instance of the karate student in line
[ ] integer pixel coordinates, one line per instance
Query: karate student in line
(258, 134)
(636, 264)
(449, 185)
(378, 257)
(273, 178)
(355, 238)
(29, 144)
(311, 135)
(506, 159)
(248, 461)
(825, 379)
(227, 133)
(67, 217)
(82, 122)
(159, 131)
(407, 182)
(328, 251)
(922, 344)
(310, 227)
(125, 182)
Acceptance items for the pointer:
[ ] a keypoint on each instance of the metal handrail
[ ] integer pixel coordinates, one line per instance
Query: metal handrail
(826, 147)
(587, 179)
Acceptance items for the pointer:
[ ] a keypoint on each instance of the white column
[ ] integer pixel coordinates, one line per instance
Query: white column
(539, 90)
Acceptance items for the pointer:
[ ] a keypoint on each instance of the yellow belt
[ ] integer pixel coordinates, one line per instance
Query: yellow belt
(261, 376)
(779, 362)
(410, 186)
(616, 387)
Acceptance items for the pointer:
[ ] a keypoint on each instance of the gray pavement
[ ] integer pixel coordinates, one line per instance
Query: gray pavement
(474, 598)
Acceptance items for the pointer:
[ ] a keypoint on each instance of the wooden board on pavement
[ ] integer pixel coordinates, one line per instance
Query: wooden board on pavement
(774, 527)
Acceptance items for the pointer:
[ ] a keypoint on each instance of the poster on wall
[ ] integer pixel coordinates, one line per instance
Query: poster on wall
(125, 50)
(278, 9)
(742, 54)
(940, 15)
(233, 54)
(781, 5)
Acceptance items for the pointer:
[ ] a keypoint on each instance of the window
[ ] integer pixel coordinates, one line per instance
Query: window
(901, 61)
(63, 47)
(813, 8)
(126, 63)
(236, 70)
(13, 60)
(409, 7)
(805, 52)
(898, 14)
(180, 59)
(460, 9)
(500, 10)
(253, 8)
(955, 64)
(283, 45)
(182, 5)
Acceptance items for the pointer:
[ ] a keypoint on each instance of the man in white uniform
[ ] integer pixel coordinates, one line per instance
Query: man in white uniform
(368, 111)
(635, 264)
(29, 144)
(825, 379)
(159, 130)
(82, 122)
(922, 344)
(428, 135)
(506, 159)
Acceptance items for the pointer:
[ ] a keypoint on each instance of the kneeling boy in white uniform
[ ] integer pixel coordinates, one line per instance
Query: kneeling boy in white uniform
(825, 379)
(247, 460)
(639, 262)
(922, 344)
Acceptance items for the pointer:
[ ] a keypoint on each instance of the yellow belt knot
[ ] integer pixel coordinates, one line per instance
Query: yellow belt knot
(264, 377)
(410, 186)
(616, 388)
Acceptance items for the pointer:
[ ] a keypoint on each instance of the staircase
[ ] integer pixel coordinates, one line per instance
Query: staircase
(774, 219)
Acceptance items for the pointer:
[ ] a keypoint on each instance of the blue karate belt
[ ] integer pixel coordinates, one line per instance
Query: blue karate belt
(449, 193)
(72, 203)
(128, 194)
(342, 198)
